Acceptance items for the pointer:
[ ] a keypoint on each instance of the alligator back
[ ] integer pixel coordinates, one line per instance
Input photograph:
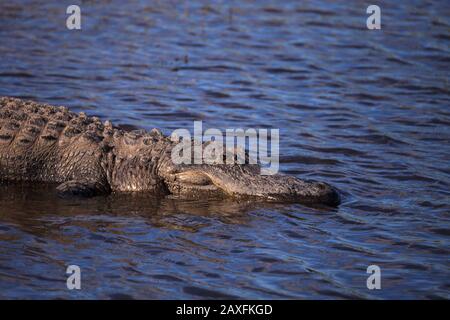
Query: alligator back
(39, 142)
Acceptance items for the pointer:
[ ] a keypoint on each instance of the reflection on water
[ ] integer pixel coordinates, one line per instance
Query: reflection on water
(366, 111)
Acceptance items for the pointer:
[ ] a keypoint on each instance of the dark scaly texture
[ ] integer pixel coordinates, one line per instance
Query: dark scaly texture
(39, 142)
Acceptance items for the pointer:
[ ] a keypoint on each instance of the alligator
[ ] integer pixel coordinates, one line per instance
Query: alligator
(87, 157)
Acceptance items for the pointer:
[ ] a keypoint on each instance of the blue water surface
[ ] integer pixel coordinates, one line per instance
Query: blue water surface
(364, 110)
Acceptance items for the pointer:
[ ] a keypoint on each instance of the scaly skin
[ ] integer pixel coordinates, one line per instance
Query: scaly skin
(43, 143)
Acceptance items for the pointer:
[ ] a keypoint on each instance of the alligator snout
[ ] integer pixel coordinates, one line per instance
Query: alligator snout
(247, 182)
(326, 194)
(287, 188)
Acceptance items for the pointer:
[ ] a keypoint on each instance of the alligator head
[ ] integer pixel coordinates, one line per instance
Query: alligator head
(244, 181)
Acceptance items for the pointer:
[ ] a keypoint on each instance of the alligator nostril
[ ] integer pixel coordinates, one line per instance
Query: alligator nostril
(322, 186)
(327, 194)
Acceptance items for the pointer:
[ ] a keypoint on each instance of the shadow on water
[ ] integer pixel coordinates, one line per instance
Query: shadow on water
(44, 227)
(40, 201)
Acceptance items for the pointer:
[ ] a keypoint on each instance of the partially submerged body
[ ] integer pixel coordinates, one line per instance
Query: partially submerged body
(43, 143)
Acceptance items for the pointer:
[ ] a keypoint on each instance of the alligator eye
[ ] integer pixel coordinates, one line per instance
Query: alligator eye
(193, 177)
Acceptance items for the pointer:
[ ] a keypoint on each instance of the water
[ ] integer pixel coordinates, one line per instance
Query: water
(367, 111)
